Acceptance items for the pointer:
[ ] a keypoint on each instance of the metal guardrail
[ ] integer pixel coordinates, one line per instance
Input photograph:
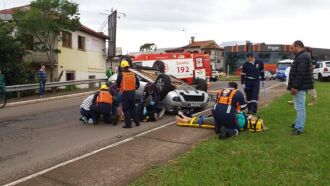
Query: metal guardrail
(35, 86)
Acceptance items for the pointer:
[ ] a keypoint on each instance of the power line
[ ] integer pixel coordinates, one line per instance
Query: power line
(104, 24)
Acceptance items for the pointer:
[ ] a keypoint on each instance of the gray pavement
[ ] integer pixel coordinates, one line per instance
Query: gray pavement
(37, 136)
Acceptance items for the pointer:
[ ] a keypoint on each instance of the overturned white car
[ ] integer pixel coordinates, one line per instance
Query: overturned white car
(174, 94)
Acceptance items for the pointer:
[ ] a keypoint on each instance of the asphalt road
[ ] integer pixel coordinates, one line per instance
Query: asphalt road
(36, 136)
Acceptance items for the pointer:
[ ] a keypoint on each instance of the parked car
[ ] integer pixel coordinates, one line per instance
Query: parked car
(281, 67)
(215, 76)
(269, 76)
(179, 96)
(321, 71)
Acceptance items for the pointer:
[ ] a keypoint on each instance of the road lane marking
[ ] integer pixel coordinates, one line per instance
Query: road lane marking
(67, 162)
(101, 149)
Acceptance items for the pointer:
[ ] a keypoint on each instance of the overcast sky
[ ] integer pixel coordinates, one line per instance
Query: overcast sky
(162, 21)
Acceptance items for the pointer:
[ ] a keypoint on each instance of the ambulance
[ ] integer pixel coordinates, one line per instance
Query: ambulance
(189, 67)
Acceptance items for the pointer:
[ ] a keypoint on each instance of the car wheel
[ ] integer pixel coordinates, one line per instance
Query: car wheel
(164, 85)
(159, 66)
(201, 84)
(320, 77)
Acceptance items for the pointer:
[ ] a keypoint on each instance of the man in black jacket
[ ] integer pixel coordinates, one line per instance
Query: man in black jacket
(300, 80)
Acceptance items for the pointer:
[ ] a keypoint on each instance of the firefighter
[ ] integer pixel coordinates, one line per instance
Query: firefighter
(229, 101)
(128, 82)
(250, 78)
(102, 104)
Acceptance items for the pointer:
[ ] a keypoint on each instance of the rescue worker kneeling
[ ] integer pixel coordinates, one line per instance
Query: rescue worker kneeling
(149, 106)
(229, 102)
(102, 104)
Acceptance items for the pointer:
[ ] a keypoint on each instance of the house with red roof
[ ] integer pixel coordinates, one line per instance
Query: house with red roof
(83, 52)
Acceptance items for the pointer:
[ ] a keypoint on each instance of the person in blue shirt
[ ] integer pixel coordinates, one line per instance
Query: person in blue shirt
(2, 82)
(252, 72)
(42, 77)
(148, 108)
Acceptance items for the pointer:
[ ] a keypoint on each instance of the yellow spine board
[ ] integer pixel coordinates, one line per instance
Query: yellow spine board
(191, 124)
(195, 125)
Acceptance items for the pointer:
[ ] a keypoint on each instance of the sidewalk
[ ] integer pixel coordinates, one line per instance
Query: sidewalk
(123, 163)
(48, 97)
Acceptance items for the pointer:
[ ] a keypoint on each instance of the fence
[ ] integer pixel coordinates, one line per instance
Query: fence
(35, 86)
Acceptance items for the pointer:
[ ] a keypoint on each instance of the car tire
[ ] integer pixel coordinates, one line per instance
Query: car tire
(159, 66)
(200, 84)
(320, 77)
(164, 85)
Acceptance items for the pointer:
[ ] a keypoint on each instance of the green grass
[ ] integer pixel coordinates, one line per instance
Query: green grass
(271, 157)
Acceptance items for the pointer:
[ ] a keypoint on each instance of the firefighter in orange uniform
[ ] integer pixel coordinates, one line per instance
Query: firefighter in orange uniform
(229, 101)
(128, 82)
(102, 104)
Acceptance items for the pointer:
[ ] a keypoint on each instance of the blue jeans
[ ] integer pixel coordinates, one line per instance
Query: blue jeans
(116, 103)
(299, 104)
(42, 87)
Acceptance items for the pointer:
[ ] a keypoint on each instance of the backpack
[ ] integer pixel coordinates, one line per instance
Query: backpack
(255, 124)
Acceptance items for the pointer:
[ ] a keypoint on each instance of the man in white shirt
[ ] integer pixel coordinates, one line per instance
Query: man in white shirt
(85, 110)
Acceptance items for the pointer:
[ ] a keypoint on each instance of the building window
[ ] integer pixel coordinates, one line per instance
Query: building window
(81, 43)
(67, 39)
(29, 42)
(70, 76)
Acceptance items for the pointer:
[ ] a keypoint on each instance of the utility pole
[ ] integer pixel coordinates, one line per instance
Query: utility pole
(5, 8)
(112, 29)
(112, 32)
(188, 38)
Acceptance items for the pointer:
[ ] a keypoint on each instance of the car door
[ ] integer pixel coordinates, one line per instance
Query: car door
(316, 70)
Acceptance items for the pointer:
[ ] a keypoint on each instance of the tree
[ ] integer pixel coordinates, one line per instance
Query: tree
(12, 51)
(45, 20)
(148, 47)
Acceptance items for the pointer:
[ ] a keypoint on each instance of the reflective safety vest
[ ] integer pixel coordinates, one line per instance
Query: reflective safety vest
(104, 97)
(225, 96)
(128, 82)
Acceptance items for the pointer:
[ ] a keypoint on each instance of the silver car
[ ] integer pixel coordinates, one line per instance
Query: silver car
(182, 97)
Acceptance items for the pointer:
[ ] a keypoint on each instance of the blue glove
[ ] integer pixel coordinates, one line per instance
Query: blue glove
(144, 111)
(263, 84)
(200, 120)
(152, 103)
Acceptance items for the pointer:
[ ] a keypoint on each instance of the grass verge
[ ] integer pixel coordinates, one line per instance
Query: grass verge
(271, 157)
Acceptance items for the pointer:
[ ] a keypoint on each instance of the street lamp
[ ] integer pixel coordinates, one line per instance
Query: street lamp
(183, 30)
